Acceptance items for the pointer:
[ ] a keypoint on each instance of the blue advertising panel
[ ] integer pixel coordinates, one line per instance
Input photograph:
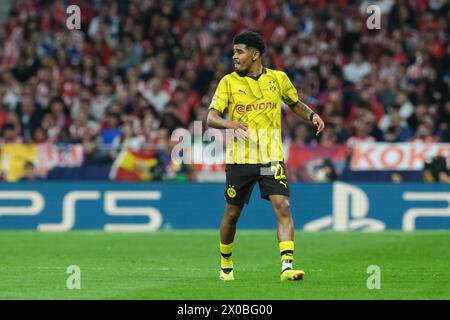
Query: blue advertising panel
(57, 206)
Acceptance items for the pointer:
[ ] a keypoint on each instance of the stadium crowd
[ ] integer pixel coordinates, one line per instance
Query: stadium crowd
(139, 69)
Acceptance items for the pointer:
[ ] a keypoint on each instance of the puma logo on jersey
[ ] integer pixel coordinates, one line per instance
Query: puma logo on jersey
(284, 184)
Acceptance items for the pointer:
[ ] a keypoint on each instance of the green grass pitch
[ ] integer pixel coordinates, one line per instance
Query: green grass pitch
(184, 265)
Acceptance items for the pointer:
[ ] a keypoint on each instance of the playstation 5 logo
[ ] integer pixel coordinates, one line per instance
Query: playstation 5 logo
(350, 209)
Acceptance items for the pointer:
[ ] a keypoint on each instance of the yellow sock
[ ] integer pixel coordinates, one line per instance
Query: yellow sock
(225, 255)
(287, 250)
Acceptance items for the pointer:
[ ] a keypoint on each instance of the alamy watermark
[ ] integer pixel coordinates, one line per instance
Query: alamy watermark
(374, 20)
(73, 21)
(214, 146)
(74, 279)
(374, 280)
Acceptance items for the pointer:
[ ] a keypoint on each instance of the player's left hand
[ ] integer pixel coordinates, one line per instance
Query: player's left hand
(318, 123)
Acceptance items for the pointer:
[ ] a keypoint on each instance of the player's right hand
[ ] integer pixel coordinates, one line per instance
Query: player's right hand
(240, 129)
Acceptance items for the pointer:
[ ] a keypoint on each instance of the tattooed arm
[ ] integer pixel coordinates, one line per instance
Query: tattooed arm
(305, 112)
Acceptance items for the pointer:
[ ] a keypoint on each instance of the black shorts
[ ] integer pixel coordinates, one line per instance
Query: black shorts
(241, 178)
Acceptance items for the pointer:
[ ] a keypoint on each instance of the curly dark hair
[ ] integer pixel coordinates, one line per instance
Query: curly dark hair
(251, 39)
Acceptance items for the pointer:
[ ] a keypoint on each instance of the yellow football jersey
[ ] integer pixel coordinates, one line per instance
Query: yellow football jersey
(256, 102)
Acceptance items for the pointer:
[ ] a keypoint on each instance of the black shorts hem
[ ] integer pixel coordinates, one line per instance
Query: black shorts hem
(266, 196)
(237, 201)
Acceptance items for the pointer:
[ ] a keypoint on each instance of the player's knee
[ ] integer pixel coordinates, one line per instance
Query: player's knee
(233, 215)
(283, 208)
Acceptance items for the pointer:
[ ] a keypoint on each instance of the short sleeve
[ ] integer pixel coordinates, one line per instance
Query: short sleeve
(289, 93)
(219, 101)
